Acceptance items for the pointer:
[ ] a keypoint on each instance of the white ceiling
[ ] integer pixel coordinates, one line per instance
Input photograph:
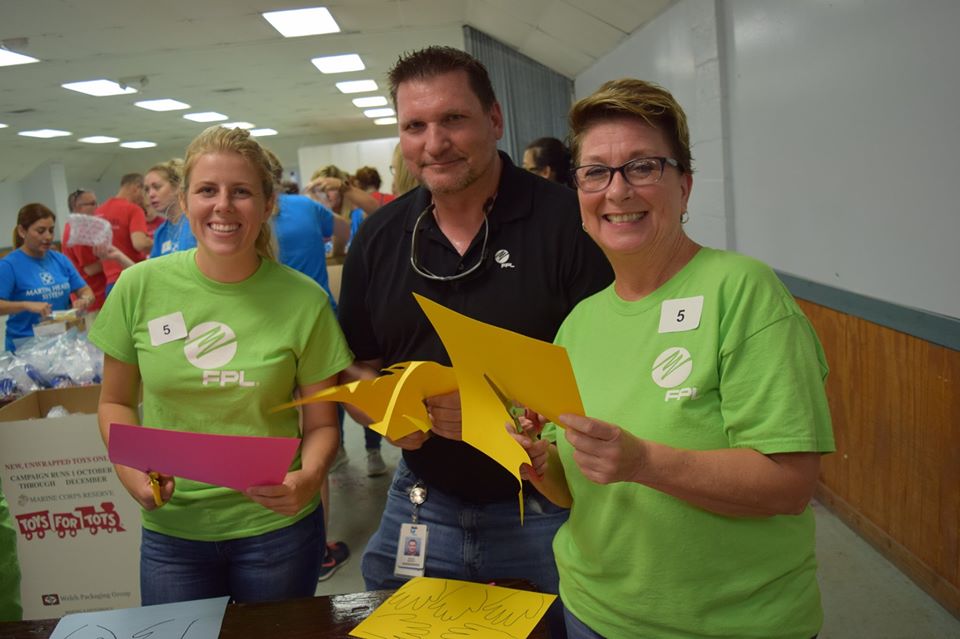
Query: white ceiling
(221, 55)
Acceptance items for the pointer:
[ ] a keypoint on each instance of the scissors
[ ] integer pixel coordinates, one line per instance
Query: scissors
(507, 404)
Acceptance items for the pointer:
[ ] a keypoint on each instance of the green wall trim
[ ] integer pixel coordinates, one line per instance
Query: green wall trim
(938, 329)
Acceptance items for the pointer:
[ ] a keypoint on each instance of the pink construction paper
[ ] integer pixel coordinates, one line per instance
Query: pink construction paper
(233, 461)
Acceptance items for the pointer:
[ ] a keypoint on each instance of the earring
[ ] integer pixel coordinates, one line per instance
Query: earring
(583, 226)
(684, 217)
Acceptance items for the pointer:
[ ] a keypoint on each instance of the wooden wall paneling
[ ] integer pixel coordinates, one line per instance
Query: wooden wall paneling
(895, 477)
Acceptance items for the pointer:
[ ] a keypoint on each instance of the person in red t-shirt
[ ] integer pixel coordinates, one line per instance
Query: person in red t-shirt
(125, 214)
(83, 257)
(368, 179)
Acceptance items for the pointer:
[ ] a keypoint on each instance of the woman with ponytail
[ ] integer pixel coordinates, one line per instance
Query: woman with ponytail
(35, 281)
(162, 185)
(219, 335)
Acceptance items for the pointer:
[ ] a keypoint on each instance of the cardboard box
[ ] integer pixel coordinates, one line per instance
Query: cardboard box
(60, 322)
(78, 528)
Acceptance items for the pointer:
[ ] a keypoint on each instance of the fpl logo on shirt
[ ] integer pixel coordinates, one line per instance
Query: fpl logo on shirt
(211, 346)
(671, 369)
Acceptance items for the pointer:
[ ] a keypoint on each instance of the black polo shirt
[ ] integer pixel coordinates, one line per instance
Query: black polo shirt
(537, 264)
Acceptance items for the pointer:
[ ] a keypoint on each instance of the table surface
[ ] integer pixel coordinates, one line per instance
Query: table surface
(327, 617)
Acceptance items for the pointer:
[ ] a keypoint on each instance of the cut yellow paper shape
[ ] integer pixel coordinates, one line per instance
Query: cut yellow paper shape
(427, 607)
(393, 401)
(531, 372)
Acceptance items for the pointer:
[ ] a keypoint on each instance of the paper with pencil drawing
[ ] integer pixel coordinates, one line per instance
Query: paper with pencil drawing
(426, 607)
(198, 619)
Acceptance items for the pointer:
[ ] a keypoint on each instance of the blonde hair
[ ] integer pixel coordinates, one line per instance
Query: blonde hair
(631, 98)
(171, 170)
(218, 139)
(403, 180)
(332, 170)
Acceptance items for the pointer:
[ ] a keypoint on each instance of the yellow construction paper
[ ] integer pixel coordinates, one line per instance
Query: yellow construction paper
(531, 372)
(427, 607)
(393, 401)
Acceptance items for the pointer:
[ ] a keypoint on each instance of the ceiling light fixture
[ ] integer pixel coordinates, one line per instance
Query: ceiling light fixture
(44, 133)
(99, 88)
(3, 126)
(238, 125)
(383, 121)
(205, 116)
(164, 104)
(357, 86)
(99, 139)
(379, 113)
(302, 22)
(339, 63)
(372, 101)
(9, 58)
(259, 133)
(139, 144)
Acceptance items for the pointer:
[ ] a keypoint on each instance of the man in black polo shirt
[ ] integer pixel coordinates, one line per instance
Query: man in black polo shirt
(497, 244)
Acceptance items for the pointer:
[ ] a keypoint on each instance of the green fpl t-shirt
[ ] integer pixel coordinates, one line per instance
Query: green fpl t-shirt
(718, 357)
(219, 357)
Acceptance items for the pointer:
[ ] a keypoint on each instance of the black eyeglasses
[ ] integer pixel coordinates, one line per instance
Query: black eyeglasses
(591, 178)
(422, 271)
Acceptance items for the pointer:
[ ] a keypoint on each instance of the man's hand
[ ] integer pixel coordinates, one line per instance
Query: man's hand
(413, 441)
(444, 412)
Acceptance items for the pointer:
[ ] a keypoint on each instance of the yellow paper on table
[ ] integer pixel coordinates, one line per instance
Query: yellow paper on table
(427, 607)
(393, 401)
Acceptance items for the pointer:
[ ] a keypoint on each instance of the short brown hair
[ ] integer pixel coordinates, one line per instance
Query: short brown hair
(433, 61)
(28, 215)
(218, 139)
(131, 178)
(368, 177)
(631, 98)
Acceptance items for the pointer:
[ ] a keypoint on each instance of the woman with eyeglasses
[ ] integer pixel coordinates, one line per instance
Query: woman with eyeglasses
(162, 187)
(35, 281)
(689, 479)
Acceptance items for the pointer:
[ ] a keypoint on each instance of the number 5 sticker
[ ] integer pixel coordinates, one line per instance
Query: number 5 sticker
(168, 328)
(679, 315)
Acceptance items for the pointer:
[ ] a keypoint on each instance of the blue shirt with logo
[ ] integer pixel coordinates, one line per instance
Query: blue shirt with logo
(171, 237)
(302, 227)
(50, 279)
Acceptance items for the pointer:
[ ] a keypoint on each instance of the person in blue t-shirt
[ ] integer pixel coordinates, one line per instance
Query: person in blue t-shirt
(35, 281)
(162, 185)
(302, 227)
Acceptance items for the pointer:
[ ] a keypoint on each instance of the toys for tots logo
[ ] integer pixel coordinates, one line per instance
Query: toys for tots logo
(38, 524)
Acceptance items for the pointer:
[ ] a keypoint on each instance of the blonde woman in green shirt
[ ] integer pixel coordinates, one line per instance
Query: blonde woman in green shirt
(218, 336)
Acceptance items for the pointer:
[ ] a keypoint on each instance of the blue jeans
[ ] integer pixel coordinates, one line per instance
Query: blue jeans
(473, 542)
(282, 564)
(576, 629)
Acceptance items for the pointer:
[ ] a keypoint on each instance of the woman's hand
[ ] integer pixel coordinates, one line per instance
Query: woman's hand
(288, 498)
(538, 449)
(43, 309)
(444, 412)
(82, 302)
(605, 453)
(139, 486)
